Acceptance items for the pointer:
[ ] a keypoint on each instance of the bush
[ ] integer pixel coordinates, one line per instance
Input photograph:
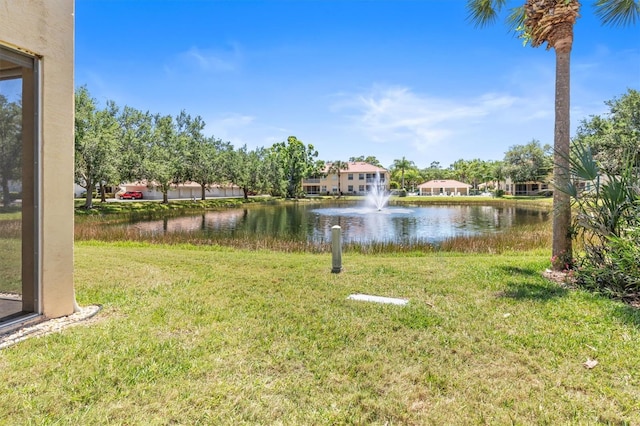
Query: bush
(615, 271)
(607, 219)
(498, 193)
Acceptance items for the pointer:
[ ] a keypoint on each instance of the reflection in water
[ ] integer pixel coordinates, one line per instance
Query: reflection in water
(313, 222)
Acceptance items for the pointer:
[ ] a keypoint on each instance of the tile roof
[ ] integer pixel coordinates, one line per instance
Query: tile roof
(358, 167)
(187, 184)
(444, 183)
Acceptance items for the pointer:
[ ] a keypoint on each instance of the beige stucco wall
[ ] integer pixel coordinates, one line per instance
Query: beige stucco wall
(331, 181)
(45, 28)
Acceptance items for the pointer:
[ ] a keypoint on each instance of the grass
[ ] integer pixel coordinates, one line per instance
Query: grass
(11, 265)
(215, 335)
(520, 238)
(156, 207)
(544, 202)
(10, 253)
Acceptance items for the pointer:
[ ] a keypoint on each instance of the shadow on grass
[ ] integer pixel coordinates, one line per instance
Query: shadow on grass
(521, 288)
(628, 314)
(524, 290)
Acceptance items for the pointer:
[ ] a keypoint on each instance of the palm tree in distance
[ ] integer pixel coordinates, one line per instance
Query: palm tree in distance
(551, 22)
(402, 165)
(334, 168)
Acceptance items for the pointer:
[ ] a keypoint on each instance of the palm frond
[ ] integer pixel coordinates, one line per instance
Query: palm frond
(617, 12)
(515, 19)
(484, 12)
(582, 163)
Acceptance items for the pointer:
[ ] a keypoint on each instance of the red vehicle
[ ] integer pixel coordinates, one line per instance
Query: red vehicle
(131, 195)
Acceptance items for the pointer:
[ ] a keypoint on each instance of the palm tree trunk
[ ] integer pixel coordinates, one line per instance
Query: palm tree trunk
(562, 247)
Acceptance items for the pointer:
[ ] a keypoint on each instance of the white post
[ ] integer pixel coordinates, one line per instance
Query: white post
(336, 250)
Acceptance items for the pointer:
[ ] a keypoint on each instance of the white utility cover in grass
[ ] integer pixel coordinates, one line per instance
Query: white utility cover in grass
(378, 299)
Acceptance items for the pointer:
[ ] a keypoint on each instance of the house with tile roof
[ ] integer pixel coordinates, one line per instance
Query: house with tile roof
(185, 190)
(444, 187)
(356, 179)
(526, 188)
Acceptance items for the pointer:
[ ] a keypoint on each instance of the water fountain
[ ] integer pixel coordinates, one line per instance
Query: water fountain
(378, 195)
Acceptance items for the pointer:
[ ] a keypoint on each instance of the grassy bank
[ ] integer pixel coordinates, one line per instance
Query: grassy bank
(543, 202)
(210, 335)
(156, 207)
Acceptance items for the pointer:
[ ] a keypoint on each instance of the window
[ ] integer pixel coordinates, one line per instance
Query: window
(350, 188)
(350, 176)
(324, 188)
(361, 188)
(19, 183)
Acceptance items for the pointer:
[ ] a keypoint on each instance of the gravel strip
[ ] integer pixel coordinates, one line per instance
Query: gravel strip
(47, 326)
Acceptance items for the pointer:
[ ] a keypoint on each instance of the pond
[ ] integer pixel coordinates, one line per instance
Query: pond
(312, 222)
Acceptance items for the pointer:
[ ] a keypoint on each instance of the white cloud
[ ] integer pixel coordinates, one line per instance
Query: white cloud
(206, 60)
(399, 115)
(242, 129)
(232, 120)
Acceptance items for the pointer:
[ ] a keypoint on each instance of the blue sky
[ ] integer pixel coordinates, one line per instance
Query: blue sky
(389, 78)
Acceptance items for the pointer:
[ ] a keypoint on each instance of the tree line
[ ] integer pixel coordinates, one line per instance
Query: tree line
(114, 145)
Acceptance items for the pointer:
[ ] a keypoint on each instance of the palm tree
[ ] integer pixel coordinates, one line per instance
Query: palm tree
(402, 165)
(334, 168)
(551, 22)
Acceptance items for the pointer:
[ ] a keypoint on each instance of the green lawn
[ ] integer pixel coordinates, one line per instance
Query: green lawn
(206, 335)
(10, 253)
(10, 265)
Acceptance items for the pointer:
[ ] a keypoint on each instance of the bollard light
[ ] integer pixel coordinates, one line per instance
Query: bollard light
(336, 249)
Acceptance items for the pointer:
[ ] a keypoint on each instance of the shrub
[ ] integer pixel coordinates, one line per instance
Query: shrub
(607, 220)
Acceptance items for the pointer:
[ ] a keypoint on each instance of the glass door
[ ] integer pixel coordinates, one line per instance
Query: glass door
(19, 159)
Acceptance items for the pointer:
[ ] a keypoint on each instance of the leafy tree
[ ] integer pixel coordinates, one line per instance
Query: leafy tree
(530, 162)
(10, 145)
(368, 159)
(249, 170)
(136, 135)
(616, 136)
(275, 174)
(96, 137)
(402, 166)
(202, 157)
(297, 162)
(335, 168)
(164, 164)
(206, 162)
(434, 172)
(551, 22)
